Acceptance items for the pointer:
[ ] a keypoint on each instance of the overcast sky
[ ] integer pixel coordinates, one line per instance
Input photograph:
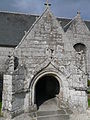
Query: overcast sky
(60, 8)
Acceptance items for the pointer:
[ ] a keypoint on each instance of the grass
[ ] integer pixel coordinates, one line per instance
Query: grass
(0, 106)
(88, 93)
(88, 82)
(88, 102)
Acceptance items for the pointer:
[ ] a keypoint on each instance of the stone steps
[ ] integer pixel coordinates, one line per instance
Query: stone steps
(50, 111)
(58, 112)
(88, 113)
(52, 115)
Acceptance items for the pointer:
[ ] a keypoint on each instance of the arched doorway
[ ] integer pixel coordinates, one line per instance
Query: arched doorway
(47, 87)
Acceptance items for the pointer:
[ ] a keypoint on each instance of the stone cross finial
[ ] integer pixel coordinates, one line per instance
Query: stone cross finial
(78, 12)
(47, 4)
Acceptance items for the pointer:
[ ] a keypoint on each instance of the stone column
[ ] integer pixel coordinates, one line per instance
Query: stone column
(33, 106)
(7, 96)
(26, 102)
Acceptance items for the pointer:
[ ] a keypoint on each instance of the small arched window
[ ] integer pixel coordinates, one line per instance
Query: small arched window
(80, 47)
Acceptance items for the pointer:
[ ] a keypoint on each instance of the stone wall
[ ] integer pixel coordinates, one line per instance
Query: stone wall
(45, 48)
(7, 95)
(4, 52)
(47, 43)
(13, 92)
(78, 32)
(1, 85)
(18, 90)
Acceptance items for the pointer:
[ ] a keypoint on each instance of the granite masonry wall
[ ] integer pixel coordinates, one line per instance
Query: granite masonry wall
(45, 50)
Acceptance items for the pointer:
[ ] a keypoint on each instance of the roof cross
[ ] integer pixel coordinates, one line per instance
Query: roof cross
(78, 12)
(47, 4)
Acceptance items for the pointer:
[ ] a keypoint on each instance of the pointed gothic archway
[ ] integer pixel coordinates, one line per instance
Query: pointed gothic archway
(46, 88)
(39, 80)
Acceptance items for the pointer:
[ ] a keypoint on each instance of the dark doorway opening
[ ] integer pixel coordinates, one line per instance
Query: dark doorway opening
(46, 88)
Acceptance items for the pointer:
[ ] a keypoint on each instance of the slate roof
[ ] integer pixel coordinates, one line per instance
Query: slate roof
(14, 25)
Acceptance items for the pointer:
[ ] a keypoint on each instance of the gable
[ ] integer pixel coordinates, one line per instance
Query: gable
(47, 30)
(78, 26)
(44, 40)
(42, 27)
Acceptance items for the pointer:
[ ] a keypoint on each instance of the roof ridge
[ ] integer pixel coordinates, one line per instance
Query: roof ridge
(64, 18)
(19, 13)
(68, 23)
(87, 20)
(22, 13)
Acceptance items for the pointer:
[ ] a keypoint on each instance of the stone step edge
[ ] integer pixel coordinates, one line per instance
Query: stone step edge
(52, 116)
(49, 115)
(56, 112)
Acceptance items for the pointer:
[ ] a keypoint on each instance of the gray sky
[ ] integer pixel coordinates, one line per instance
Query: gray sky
(60, 8)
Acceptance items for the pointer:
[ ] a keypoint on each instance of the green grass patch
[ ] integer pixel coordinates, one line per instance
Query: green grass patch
(0, 107)
(88, 91)
(88, 102)
(88, 82)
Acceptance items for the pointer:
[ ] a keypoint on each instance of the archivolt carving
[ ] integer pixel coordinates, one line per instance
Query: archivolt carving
(51, 65)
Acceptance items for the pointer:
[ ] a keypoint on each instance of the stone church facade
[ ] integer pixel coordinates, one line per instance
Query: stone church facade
(50, 61)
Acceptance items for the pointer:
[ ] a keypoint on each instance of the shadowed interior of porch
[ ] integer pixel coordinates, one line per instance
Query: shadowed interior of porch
(46, 88)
